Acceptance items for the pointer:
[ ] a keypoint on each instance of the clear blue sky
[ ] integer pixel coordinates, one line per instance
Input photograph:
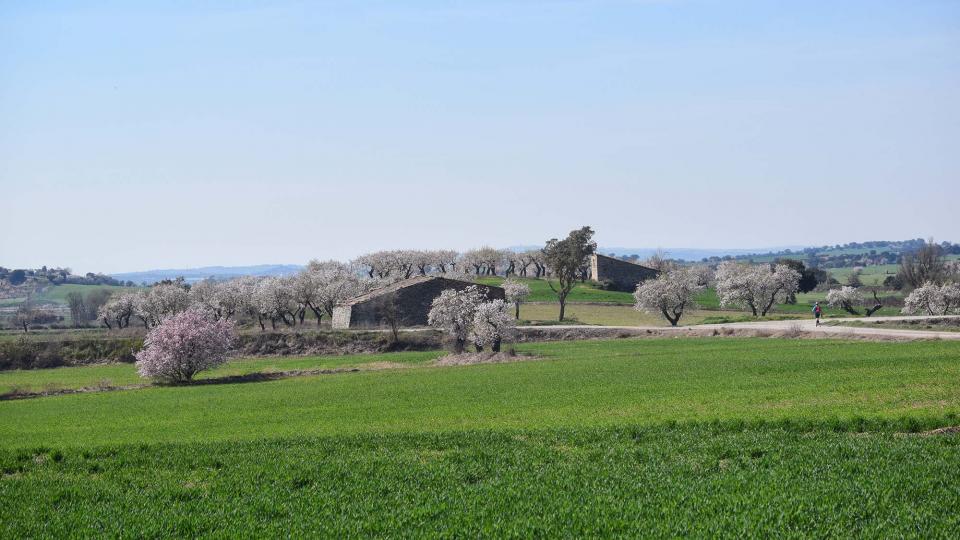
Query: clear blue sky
(137, 135)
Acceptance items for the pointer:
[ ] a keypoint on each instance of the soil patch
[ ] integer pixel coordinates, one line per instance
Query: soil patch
(467, 359)
(950, 430)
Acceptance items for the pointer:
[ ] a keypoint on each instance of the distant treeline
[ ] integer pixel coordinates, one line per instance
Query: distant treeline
(837, 256)
(57, 276)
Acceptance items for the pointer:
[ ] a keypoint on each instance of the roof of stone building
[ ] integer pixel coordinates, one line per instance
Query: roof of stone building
(403, 284)
(617, 259)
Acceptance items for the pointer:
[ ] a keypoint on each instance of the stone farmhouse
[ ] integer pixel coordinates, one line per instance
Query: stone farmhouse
(410, 298)
(622, 274)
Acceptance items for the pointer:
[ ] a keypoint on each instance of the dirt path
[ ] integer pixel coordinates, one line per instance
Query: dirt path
(807, 326)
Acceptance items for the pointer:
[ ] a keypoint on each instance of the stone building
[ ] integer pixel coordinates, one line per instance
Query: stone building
(623, 275)
(409, 299)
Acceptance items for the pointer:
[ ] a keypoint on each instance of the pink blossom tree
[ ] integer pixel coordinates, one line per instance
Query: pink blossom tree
(184, 345)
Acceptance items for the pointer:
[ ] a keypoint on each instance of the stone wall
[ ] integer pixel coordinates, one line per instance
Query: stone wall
(411, 304)
(341, 317)
(623, 275)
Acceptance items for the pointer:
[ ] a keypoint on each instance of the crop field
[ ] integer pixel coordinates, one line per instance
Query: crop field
(633, 437)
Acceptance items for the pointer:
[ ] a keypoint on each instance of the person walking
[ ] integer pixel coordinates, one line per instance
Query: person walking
(817, 311)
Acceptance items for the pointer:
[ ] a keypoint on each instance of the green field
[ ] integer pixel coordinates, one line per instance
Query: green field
(58, 294)
(943, 325)
(633, 437)
(579, 384)
(613, 315)
(637, 482)
(581, 292)
(870, 276)
(48, 380)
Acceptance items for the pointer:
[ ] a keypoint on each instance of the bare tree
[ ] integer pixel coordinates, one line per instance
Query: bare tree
(388, 310)
(78, 308)
(926, 265)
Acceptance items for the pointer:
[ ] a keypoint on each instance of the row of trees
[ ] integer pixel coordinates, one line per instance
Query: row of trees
(284, 300)
(485, 261)
(756, 288)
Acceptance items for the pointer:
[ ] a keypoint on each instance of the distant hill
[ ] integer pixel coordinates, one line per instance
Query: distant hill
(683, 254)
(192, 275)
(692, 254)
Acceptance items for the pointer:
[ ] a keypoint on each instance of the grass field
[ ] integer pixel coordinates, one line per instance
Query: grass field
(612, 315)
(58, 294)
(36, 380)
(871, 275)
(581, 292)
(943, 325)
(632, 437)
(636, 482)
(580, 384)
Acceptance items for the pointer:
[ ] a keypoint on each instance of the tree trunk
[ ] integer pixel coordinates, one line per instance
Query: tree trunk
(673, 320)
(563, 305)
(496, 346)
(517, 316)
(260, 320)
(876, 307)
(319, 314)
(849, 309)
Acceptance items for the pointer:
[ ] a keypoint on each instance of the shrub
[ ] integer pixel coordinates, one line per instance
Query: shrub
(184, 345)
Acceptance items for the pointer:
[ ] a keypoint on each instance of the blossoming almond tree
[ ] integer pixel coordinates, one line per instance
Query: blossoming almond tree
(671, 293)
(846, 298)
(491, 325)
(516, 292)
(452, 312)
(933, 299)
(183, 345)
(758, 287)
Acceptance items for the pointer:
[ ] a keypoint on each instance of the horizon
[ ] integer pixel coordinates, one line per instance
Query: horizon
(188, 135)
(618, 251)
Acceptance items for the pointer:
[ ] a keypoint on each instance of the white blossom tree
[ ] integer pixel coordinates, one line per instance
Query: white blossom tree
(274, 300)
(670, 293)
(118, 310)
(444, 260)
(516, 293)
(492, 324)
(845, 298)
(233, 295)
(160, 302)
(452, 312)
(933, 299)
(758, 287)
(205, 295)
(334, 282)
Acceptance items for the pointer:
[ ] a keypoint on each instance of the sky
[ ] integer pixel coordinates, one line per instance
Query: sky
(138, 135)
